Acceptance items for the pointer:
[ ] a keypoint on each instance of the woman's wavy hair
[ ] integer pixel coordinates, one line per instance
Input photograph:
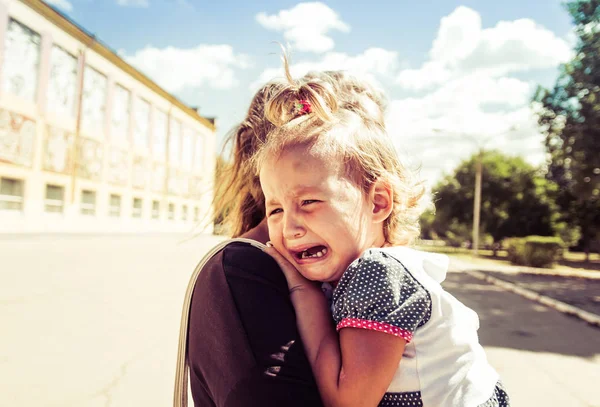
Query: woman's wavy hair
(238, 196)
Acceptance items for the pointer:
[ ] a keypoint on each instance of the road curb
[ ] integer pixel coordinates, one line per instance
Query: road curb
(565, 308)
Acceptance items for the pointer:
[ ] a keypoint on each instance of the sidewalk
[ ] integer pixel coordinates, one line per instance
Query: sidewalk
(544, 358)
(483, 264)
(574, 291)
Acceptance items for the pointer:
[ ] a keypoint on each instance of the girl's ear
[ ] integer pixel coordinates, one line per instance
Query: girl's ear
(382, 199)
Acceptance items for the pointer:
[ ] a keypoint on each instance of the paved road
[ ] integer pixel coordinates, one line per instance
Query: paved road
(545, 358)
(581, 292)
(93, 321)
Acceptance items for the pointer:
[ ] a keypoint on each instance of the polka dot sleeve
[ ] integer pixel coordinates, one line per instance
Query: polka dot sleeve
(378, 293)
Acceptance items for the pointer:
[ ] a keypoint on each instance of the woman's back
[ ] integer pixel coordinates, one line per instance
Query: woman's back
(244, 347)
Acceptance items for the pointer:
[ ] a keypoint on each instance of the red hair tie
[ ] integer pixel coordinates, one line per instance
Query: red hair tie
(302, 107)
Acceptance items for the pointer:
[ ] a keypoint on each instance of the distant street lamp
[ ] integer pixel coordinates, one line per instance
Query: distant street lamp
(480, 143)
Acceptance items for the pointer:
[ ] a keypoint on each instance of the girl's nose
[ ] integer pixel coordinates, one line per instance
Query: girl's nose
(293, 228)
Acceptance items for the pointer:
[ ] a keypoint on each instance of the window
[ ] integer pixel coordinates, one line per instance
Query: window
(159, 144)
(11, 194)
(175, 143)
(171, 211)
(88, 202)
(141, 112)
(184, 214)
(140, 172)
(158, 174)
(187, 148)
(196, 214)
(21, 60)
(114, 208)
(55, 199)
(62, 85)
(155, 209)
(94, 100)
(118, 166)
(120, 115)
(198, 159)
(137, 208)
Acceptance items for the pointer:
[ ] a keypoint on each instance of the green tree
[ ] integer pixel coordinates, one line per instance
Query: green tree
(516, 200)
(426, 223)
(569, 116)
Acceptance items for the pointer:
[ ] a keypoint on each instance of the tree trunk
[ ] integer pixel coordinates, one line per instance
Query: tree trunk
(587, 251)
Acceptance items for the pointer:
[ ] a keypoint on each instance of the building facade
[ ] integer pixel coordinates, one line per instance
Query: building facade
(87, 142)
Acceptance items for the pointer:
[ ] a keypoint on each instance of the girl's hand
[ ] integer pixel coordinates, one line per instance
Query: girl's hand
(292, 275)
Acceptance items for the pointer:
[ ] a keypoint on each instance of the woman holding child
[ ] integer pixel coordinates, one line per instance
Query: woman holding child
(319, 181)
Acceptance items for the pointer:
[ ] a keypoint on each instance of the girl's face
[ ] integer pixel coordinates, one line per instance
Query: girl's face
(317, 218)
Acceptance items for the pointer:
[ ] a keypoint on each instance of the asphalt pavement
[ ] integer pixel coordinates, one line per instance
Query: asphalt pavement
(93, 321)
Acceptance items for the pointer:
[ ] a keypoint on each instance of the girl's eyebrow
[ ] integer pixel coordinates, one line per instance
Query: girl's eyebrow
(271, 202)
(299, 190)
(306, 189)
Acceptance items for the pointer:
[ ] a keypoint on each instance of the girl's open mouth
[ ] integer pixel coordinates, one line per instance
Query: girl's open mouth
(314, 252)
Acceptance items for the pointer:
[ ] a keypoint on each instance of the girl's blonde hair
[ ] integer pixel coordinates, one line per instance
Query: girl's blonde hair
(238, 194)
(350, 131)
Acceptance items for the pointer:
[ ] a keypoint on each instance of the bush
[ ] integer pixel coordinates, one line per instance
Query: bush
(515, 248)
(456, 234)
(534, 251)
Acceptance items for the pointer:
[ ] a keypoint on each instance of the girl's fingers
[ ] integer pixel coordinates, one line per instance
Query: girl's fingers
(282, 261)
(272, 251)
(292, 275)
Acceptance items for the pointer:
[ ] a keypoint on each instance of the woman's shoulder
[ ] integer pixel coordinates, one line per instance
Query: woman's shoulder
(243, 259)
(245, 255)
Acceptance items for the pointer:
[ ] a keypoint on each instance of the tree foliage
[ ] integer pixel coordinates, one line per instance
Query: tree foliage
(569, 117)
(516, 200)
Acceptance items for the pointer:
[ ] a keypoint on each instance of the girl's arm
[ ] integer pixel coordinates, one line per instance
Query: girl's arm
(352, 369)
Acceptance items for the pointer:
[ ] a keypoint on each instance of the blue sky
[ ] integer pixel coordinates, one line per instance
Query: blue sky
(458, 73)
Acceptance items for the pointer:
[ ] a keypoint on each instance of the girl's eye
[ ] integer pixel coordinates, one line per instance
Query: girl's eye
(309, 201)
(275, 211)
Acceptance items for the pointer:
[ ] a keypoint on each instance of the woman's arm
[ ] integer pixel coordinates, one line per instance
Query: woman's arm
(352, 369)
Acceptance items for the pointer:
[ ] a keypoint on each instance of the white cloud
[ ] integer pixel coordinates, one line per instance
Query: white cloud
(457, 104)
(465, 91)
(571, 38)
(444, 127)
(62, 4)
(305, 26)
(205, 65)
(133, 3)
(372, 63)
(518, 45)
(457, 36)
(429, 74)
(462, 47)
